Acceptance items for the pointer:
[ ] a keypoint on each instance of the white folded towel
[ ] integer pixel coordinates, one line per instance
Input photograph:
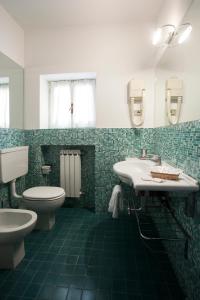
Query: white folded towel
(116, 202)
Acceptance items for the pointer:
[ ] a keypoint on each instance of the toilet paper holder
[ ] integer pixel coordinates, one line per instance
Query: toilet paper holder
(46, 169)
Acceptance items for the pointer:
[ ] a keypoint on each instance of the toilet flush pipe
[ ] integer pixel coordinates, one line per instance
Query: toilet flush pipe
(14, 192)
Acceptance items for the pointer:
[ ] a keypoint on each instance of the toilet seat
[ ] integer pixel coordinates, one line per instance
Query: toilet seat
(43, 193)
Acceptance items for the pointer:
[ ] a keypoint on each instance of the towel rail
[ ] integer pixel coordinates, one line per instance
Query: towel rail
(141, 213)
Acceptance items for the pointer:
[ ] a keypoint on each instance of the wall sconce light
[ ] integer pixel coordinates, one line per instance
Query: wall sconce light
(169, 35)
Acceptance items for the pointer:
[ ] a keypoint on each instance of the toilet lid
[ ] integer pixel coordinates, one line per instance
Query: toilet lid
(43, 192)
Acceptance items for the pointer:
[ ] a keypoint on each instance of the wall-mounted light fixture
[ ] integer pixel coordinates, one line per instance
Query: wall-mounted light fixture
(169, 35)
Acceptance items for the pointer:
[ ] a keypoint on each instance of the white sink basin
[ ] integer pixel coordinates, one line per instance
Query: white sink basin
(133, 172)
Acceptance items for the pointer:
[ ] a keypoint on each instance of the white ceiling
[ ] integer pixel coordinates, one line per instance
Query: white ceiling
(59, 13)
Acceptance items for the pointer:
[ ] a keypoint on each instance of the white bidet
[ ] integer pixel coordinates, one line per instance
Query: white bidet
(15, 224)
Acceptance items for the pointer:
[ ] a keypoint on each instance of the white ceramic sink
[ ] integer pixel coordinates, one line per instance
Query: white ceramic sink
(133, 172)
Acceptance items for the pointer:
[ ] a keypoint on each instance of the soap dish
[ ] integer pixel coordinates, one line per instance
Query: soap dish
(165, 176)
(165, 173)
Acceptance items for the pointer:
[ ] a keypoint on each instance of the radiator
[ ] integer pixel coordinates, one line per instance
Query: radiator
(70, 172)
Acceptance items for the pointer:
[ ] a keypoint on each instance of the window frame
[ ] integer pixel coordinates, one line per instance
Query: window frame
(72, 83)
(4, 82)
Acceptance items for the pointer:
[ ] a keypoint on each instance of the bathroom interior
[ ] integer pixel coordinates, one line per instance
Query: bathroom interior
(99, 150)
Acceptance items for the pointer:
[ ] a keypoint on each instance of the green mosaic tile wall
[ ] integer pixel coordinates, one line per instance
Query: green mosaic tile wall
(111, 145)
(51, 155)
(10, 138)
(180, 145)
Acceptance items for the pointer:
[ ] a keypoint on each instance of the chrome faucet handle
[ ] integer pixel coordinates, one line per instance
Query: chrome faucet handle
(157, 159)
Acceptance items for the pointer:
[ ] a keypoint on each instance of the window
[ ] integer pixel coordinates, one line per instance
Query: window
(4, 102)
(71, 103)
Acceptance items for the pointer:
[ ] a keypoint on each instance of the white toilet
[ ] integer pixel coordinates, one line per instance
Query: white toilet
(42, 199)
(15, 224)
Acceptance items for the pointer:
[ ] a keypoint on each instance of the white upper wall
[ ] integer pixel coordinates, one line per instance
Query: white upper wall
(51, 14)
(182, 62)
(11, 38)
(171, 12)
(114, 53)
(110, 38)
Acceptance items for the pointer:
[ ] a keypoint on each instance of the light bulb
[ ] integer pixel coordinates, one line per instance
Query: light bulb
(157, 36)
(185, 33)
(163, 35)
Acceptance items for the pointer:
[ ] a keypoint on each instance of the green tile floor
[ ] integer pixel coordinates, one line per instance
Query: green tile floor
(89, 256)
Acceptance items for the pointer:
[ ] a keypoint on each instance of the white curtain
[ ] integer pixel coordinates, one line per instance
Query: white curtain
(83, 103)
(4, 106)
(60, 105)
(72, 104)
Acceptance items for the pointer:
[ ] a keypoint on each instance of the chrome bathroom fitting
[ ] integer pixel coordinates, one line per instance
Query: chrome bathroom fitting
(143, 154)
(157, 159)
(153, 157)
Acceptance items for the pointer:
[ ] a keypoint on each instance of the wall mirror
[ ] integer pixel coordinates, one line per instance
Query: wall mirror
(179, 68)
(11, 94)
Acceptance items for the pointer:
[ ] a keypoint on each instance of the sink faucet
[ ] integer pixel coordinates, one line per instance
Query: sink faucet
(157, 159)
(154, 157)
(143, 154)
